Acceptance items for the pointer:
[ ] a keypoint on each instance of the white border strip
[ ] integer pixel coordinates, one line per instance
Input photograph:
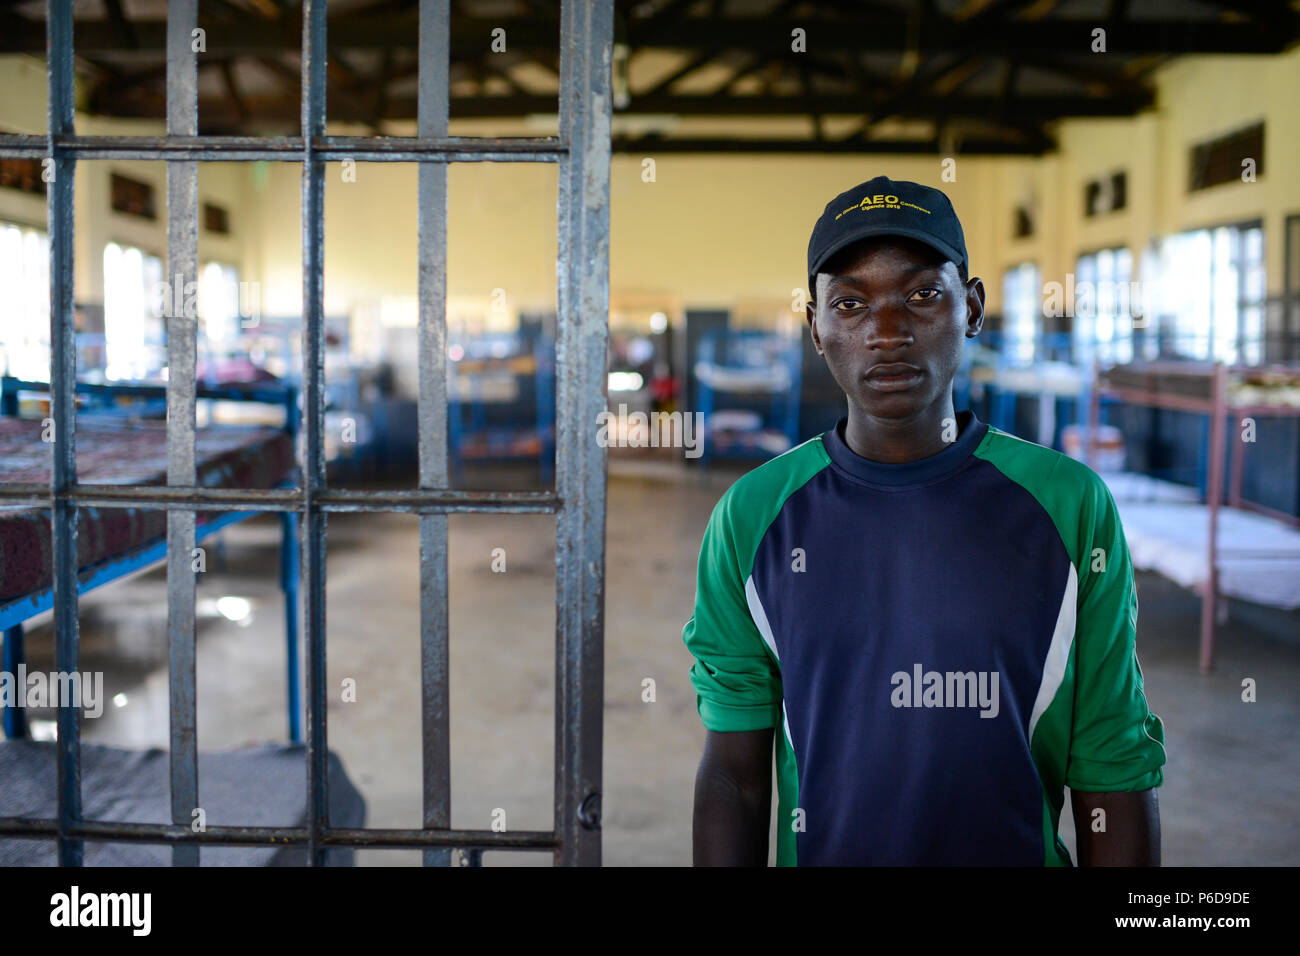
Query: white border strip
(1058, 653)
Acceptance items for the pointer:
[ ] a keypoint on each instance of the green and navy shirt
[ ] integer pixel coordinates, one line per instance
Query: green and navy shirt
(942, 646)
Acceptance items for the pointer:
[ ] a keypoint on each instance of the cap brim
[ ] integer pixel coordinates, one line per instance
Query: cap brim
(919, 235)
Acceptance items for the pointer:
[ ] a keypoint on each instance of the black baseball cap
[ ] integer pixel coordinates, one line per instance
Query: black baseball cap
(886, 207)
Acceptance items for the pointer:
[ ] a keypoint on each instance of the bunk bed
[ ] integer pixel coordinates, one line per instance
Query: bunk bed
(501, 401)
(736, 370)
(114, 447)
(999, 382)
(1240, 549)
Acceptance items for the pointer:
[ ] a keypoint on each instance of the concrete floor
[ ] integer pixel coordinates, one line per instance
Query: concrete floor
(1232, 780)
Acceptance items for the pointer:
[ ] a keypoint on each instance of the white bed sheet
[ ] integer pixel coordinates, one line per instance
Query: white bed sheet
(1132, 486)
(1259, 557)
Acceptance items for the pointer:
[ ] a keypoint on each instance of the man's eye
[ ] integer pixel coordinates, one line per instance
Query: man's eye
(926, 294)
(848, 304)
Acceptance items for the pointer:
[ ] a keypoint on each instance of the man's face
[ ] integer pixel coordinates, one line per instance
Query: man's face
(889, 303)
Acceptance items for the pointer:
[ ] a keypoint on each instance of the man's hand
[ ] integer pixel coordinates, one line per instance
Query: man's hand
(1131, 834)
(733, 799)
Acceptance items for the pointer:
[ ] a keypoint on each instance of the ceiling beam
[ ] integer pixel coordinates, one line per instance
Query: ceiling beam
(984, 146)
(352, 107)
(945, 50)
(692, 64)
(120, 25)
(111, 86)
(232, 90)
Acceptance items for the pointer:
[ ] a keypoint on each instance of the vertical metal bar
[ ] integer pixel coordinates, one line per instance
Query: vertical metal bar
(290, 578)
(15, 718)
(63, 375)
(1213, 497)
(182, 339)
(582, 335)
(433, 109)
(313, 377)
(1236, 461)
(289, 571)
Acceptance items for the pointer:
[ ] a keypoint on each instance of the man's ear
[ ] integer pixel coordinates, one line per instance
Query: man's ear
(810, 311)
(974, 307)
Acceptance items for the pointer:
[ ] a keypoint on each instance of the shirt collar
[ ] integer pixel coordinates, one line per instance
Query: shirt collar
(970, 432)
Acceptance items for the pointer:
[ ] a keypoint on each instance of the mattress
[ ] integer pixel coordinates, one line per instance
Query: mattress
(727, 378)
(118, 453)
(1259, 558)
(263, 786)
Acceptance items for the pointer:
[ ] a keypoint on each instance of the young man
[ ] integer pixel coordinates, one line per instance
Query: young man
(933, 618)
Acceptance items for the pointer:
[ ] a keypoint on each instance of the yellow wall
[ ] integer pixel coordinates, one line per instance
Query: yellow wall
(710, 230)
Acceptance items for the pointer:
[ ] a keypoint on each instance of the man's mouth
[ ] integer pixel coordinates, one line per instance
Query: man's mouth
(893, 377)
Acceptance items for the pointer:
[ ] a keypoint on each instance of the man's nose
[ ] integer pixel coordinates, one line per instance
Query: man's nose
(888, 326)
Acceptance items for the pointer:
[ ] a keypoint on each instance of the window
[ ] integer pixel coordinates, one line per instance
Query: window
(1105, 195)
(1211, 285)
(1023, 225)
(220, 320)
(132, 197)
(22, 174)
(219, 305)
(216, 219)
(25, 319)
(1223, 160)
(134, 298)
(1251, 324)
(1103, 320)
(1020, 312)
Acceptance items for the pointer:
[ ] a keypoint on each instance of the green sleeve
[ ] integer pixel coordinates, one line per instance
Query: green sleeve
(1116, 743)
(736, 679)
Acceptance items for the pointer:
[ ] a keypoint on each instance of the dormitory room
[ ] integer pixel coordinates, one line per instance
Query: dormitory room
(649, 433)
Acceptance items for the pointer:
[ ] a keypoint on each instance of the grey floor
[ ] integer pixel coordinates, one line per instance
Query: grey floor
(1232, 780)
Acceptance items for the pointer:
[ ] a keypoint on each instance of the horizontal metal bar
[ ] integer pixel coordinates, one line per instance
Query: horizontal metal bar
(410, 150)
(1276, 411)
(381, 149)
(429, 501)
(482, 839)
(438, 502)
(280, 836)
(167, 498)
(25, 496)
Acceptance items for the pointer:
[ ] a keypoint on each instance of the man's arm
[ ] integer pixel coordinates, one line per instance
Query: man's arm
(733, 799)
(1117, 749)
(1132, 828)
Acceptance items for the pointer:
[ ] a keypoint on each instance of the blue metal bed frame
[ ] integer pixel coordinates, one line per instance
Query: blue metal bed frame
(18, 610)
(722, 347)
(1000, 403)
(543, 395)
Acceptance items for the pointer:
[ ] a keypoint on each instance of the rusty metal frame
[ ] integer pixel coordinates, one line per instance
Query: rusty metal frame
(582, 152)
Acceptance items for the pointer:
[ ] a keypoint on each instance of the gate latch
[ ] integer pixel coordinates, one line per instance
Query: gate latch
(589, 811)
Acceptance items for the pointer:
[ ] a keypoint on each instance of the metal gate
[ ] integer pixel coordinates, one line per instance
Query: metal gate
(582, 151)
